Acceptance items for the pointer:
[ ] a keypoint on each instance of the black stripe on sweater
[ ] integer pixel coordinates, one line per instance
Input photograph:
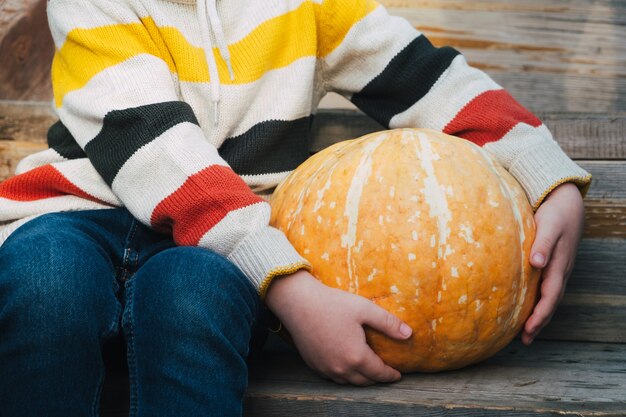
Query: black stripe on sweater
(125, 131)
(62, 142)
(405, 80)
(270, 146)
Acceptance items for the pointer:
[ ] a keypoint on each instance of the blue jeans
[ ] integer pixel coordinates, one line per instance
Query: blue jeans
(71, 281)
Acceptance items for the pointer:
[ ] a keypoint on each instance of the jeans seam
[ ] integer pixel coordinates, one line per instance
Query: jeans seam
(107, 334)
(126, 270)
(131, 358)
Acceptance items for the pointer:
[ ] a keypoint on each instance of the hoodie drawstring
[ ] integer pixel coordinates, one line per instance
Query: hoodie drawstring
(209, 19)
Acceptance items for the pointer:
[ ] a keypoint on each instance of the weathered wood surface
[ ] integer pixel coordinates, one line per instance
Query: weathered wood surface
(582, 136)
(547, 378)
(594, 306)
(26, 50)
(554, 56)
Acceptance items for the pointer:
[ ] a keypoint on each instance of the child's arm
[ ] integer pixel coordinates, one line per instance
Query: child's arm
(114, 92)
(559, 227)
(393, 73)
(326, 325)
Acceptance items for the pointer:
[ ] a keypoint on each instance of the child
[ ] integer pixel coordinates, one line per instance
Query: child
(133, 222)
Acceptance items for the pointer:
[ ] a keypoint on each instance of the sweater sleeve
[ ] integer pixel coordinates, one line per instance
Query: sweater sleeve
(115, 91)
(394, 74)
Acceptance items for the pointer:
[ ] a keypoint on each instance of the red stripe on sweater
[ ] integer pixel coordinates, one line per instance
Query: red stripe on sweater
(200, 203)
(488, 117)
(40, 183)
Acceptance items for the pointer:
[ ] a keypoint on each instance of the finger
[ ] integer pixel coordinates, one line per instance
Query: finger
(552, 289)
(546, 238)
(380, 319)
(375, 369)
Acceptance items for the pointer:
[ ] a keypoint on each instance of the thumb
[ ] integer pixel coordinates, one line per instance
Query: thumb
(546, 238)
(380, 319)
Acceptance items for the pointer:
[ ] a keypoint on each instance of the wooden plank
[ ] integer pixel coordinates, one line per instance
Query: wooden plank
(25, 120)
(597, 318)
(605, 219)
(609, 179)
(26, 49)
(12, 152)
(600, 268)
(551, 55)
(594, 306)
(546, 378)
(281, 385)
(582, 136)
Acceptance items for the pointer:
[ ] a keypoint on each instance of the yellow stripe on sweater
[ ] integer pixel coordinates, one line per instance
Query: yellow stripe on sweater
(88, 52)
(336, 18)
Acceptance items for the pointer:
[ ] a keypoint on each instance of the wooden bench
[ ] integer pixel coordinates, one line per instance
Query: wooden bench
(566, 61)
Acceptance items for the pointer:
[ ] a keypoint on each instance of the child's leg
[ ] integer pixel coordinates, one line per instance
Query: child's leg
(188, 321)
(57, 304)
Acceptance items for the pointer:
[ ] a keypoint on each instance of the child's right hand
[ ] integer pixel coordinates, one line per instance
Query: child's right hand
(326, 325)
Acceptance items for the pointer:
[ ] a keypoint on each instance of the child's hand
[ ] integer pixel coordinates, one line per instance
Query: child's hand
(326, 325)
(559, 227)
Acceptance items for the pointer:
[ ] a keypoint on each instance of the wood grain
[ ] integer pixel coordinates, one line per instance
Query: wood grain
(26, 49)
(562, 56)
(582, 136)
(547, 378)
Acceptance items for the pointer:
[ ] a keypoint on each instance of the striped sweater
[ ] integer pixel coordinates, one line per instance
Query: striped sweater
(185, 111)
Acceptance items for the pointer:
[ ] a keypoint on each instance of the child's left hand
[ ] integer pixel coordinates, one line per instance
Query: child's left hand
(559, 228)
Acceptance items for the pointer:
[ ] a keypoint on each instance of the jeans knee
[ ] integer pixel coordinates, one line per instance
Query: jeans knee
(187, 284)
(49, 283)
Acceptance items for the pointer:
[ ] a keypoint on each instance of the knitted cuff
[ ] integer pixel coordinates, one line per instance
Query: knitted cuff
(540, 169)
(266, 254)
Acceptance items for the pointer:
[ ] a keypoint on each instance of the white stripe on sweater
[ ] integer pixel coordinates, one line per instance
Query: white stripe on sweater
(268, 99)
(91, 17)
(226, 234)
(160, 167)
(141, 80)
(82, 174)
(456, 87)
(12, 209)
(371, 43)
(38, 159)
(519, 139)
(261, 183)
(239, 17)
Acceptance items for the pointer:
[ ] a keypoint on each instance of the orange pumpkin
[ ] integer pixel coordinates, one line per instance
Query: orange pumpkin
(427, 226)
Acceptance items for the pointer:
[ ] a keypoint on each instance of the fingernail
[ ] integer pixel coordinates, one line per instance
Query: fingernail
(539, 259)
(405, 330)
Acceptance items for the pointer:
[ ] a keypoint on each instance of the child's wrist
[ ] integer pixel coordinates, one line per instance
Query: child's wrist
(283, 291)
